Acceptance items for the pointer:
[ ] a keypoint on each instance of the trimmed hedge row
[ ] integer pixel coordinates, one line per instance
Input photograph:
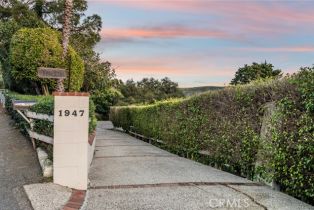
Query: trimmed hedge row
(227, 125)
(44, 105)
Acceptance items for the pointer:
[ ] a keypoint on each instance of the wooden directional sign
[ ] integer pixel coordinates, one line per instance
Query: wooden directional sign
(51, 73)
(22, 105)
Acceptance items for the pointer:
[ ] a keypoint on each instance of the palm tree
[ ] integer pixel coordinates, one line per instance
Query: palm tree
(68, 5)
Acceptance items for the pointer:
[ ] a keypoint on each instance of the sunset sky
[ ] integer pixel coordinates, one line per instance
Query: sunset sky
(203, 42)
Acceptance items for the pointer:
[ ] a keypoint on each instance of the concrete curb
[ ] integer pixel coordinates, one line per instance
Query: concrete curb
(45, 162)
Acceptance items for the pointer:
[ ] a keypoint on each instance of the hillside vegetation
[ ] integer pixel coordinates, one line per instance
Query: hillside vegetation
(238, 131)
(198, 90)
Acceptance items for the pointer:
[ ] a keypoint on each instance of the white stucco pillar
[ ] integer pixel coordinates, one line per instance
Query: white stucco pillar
(70, 148)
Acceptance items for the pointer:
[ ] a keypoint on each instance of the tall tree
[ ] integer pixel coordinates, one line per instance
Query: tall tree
(66, 32)
(13, 16)
(99, 75)
(85, 29)
(148, 90)
(255, 71)
(47, 13)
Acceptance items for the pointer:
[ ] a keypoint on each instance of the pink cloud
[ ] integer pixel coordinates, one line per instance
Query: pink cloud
(160, 32)
(245, 17)
(255, 10)
(296, 49)
(168, 66)
(171, 71)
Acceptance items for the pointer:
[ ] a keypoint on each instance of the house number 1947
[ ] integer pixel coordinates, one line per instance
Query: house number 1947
(67, 113)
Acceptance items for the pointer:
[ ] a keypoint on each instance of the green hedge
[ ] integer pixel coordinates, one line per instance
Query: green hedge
(227, 125)
(103, 99)
(33, 48)
(44, 105)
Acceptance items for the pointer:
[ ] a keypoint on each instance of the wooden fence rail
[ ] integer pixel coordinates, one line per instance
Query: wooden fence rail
(39, 116)
(22, 107)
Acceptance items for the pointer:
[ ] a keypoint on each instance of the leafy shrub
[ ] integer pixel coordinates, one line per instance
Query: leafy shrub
(227, 125)
(293, 138)
(76, 64)
(7, 29)
(92, 117)
(32, 48)
(104, 99)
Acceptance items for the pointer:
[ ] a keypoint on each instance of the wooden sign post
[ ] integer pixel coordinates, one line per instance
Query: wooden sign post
(51, 73)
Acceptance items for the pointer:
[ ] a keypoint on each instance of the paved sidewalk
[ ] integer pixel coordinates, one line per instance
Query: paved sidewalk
(127, 173)
(18, 166)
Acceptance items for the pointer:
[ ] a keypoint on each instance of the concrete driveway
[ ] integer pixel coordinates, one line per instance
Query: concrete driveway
(127, 173)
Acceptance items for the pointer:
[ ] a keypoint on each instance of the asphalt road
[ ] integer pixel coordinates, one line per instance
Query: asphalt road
(18, 166)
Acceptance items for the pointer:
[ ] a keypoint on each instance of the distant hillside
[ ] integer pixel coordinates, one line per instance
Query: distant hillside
(197, 90)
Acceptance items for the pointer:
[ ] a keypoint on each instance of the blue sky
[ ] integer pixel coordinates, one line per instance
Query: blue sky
(203, 42)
